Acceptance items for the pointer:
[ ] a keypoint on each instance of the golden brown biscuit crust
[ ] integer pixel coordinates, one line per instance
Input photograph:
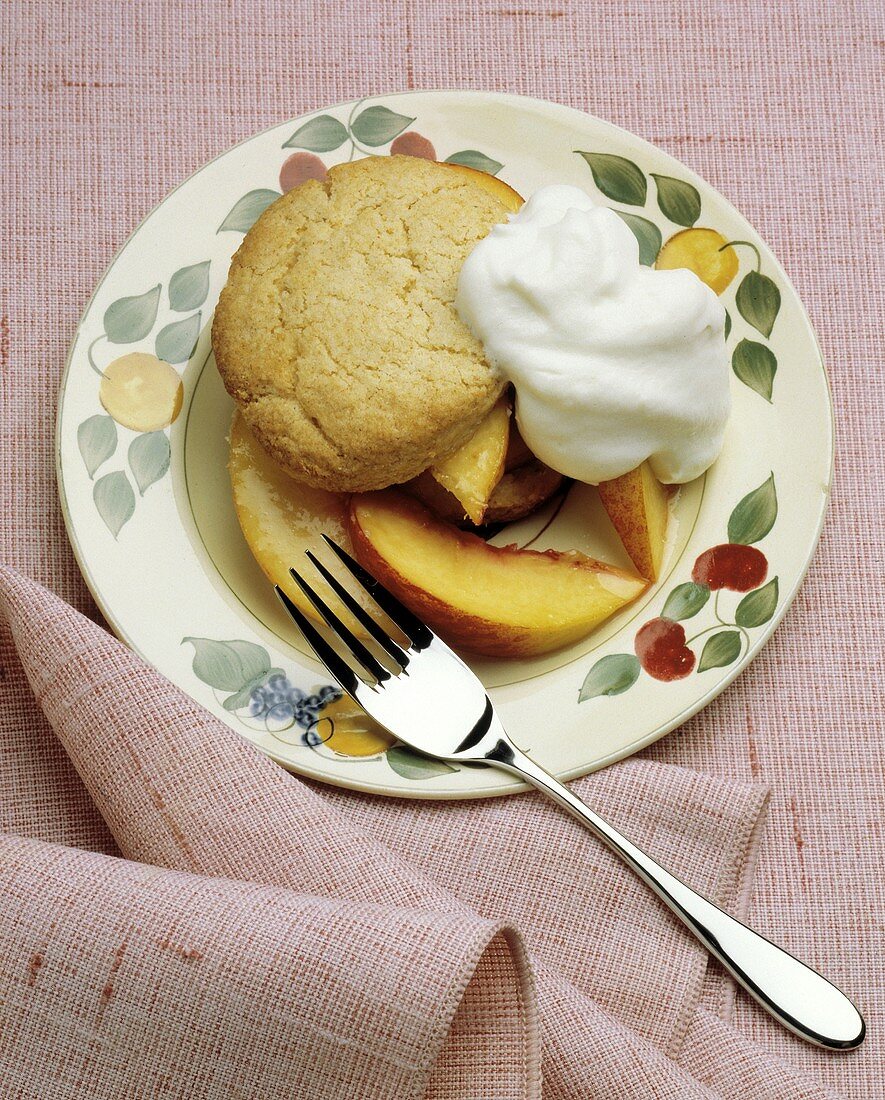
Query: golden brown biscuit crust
(336, 332)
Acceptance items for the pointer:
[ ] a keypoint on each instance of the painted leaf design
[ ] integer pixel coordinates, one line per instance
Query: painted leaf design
(230, 665)
(647, 233)
(412, 765)
(727, 324)
(176, 342)
(114, 500)
(685, 600)
(611, 675)
(678, 200)
(131, 319)
(754, 516)
(189, 286)
(617, 178)
(757, 607)
(247, 210)
(720, 650)
(242, 697)
(377, 125)
(472, 158)
(97, 441)
(319, 135)
(755, 365)
(758, 301)
(149, 457)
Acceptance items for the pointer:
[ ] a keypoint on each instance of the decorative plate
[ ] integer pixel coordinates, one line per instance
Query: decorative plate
(142, 451)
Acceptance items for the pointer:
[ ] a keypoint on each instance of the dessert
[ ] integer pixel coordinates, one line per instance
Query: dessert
(336, 333)
(490, 599)
(410, 369)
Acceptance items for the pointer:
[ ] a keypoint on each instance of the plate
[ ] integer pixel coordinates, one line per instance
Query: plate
(142, 447)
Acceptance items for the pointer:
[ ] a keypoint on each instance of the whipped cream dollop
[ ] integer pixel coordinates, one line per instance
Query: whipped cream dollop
(612, 362)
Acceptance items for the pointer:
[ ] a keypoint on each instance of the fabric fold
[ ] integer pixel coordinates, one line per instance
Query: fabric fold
(132, 980)
(618, 979)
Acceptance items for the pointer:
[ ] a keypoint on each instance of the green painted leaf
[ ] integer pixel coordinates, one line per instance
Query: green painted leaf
(114, 500)
(377, 125)
(757, 607)
(176, 342)
(685, 600)
(247, 210)
(189, 286)
(678, 200)
(758, 301)
(617, 178)
(97, 441)
(720, 650)
(228, 666)
(149, 457)
(648, 235)
(412, 765)
(755, 365)
(319, 135)
(131, 319)
(472, 158)
(611, 675)
(754, 516)
(242, 697)
(727, 324)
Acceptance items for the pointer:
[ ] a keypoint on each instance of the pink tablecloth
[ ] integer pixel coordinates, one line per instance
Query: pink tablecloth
(780, 106)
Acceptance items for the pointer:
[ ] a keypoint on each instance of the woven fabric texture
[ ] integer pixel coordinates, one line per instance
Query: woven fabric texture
(405, 976)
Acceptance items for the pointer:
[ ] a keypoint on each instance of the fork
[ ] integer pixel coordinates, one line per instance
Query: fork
(428, 698)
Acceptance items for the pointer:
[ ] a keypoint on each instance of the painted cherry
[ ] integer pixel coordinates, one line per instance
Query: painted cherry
(411, 144)
(731, 565)
(662, 652)
(299, 168)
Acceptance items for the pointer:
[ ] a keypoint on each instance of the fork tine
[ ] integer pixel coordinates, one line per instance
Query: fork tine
(420, 635)
(359, 613)
(336, 664)
(357, 650)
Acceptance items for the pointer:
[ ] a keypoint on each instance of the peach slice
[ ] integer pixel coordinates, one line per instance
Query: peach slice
(473, 471)
(280, 518)
(519, 493)
(499, 601)
(637, 505)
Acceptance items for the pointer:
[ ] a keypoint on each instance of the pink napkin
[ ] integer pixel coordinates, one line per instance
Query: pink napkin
(240, 932)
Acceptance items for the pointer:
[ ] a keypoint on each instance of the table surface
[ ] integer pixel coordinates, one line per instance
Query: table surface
(107, 107)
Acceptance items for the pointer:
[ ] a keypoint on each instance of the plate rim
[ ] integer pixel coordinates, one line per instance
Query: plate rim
(417, 791)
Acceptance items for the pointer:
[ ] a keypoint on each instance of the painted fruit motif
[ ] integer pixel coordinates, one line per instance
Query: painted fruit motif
(141, 392)
(662, 652)
(299, 168)
(703, 251)
(347, 729)
(732, 566)
(411, 144)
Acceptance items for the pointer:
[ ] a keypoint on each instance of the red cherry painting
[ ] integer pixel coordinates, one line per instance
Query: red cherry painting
(733, 566)
(299, 168)
(411, 144)
(662, 652)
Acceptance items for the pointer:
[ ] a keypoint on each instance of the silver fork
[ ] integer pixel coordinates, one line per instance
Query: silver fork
(428, 698)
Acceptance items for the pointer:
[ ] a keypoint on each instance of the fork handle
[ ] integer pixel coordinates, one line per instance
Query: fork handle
(800, 998)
